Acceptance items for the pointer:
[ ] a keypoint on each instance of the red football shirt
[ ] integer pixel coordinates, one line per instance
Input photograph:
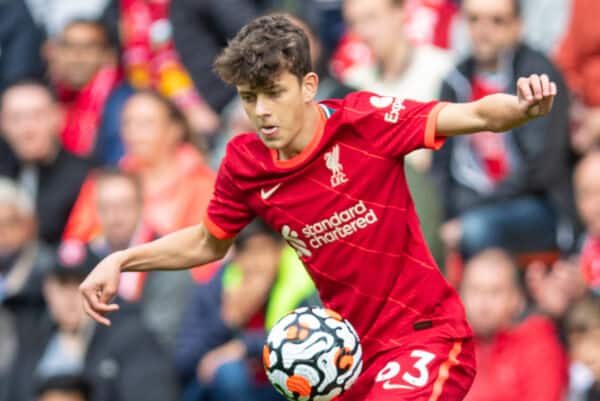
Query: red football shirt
(343, 203)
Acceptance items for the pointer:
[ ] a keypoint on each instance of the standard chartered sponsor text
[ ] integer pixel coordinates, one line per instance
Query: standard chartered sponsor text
(339, 225)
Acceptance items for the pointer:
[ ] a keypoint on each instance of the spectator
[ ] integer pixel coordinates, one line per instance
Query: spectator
(161, 295)
(400, 68)
(516, 360)
(517, 182)
(23, 261)
(84, 71)
(20, 44)
(579, 59)
(200, 30)
(30, 121)
(431, 21)
(151, 61)
(220, 344)
(537, 31)
(53, 15)
(555, 288)
(64, 388)
(122, 363)
(587, 194)
(583, 330)
(176, 183)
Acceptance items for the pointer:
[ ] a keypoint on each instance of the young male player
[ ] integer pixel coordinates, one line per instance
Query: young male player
(330, 178)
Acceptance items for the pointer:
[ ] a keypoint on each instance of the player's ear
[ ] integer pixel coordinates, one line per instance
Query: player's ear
(310, 84)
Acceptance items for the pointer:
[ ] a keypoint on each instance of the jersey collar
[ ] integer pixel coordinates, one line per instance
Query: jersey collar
(324, 113)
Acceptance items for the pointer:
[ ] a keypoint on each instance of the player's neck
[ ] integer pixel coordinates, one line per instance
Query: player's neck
(305, 134)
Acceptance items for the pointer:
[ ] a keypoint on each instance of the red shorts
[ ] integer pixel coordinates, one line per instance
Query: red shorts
(432, 370)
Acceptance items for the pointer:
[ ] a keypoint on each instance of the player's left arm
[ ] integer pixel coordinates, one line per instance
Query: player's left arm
(499, 112)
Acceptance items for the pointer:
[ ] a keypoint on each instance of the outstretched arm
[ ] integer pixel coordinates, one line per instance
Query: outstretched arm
(499, 112)
(182, 249)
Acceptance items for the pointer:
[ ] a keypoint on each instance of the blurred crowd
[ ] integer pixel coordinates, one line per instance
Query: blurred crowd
(112, 128)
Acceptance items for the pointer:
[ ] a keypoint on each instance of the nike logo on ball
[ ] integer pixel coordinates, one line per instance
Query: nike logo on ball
(267, 194)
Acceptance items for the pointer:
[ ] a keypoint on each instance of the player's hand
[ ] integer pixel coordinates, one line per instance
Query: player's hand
(536, 95)
(100, 287)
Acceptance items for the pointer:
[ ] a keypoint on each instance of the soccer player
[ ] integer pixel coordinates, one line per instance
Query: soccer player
(329, 177)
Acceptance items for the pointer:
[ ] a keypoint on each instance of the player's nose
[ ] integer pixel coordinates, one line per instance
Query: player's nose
(262, 107)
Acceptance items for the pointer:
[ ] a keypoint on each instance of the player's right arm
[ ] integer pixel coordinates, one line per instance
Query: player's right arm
(186, 248)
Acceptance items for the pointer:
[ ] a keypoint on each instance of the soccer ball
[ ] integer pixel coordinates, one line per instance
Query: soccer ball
(312, 354)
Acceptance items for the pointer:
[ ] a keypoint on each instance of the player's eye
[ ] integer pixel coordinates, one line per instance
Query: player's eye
(248, 98)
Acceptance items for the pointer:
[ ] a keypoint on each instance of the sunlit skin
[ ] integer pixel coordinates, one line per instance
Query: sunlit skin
(285, 115)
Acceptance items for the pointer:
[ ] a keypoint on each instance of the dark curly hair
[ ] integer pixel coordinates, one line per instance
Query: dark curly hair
(262, 50)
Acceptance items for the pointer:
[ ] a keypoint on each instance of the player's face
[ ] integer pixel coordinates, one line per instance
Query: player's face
(490, 296)
(493, 27)
(279, 113)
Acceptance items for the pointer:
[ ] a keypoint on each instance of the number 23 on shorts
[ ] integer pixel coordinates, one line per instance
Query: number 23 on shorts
(393, 376)
(420, 375)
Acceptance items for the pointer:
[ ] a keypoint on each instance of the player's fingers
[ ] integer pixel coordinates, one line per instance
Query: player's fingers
(553, 89)
(536, 86)
(545, 82)
(524, 89)
(98, 300)
(93, 314)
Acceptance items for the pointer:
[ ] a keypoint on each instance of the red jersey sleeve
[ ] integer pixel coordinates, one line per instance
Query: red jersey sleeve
(395, 126)
(227, 212)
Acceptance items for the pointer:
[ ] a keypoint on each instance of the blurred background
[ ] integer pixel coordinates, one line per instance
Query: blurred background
(112, 126)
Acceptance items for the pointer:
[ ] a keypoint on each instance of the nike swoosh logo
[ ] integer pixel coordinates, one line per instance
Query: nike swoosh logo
(267, 194)
(388, 386)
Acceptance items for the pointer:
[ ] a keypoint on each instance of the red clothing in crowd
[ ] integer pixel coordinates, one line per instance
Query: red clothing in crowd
(430, 21)
(84, 108)
(427, 22)
(526, 362)
(579, 54)
(179, 203)
(149, 55)
(590, 262)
